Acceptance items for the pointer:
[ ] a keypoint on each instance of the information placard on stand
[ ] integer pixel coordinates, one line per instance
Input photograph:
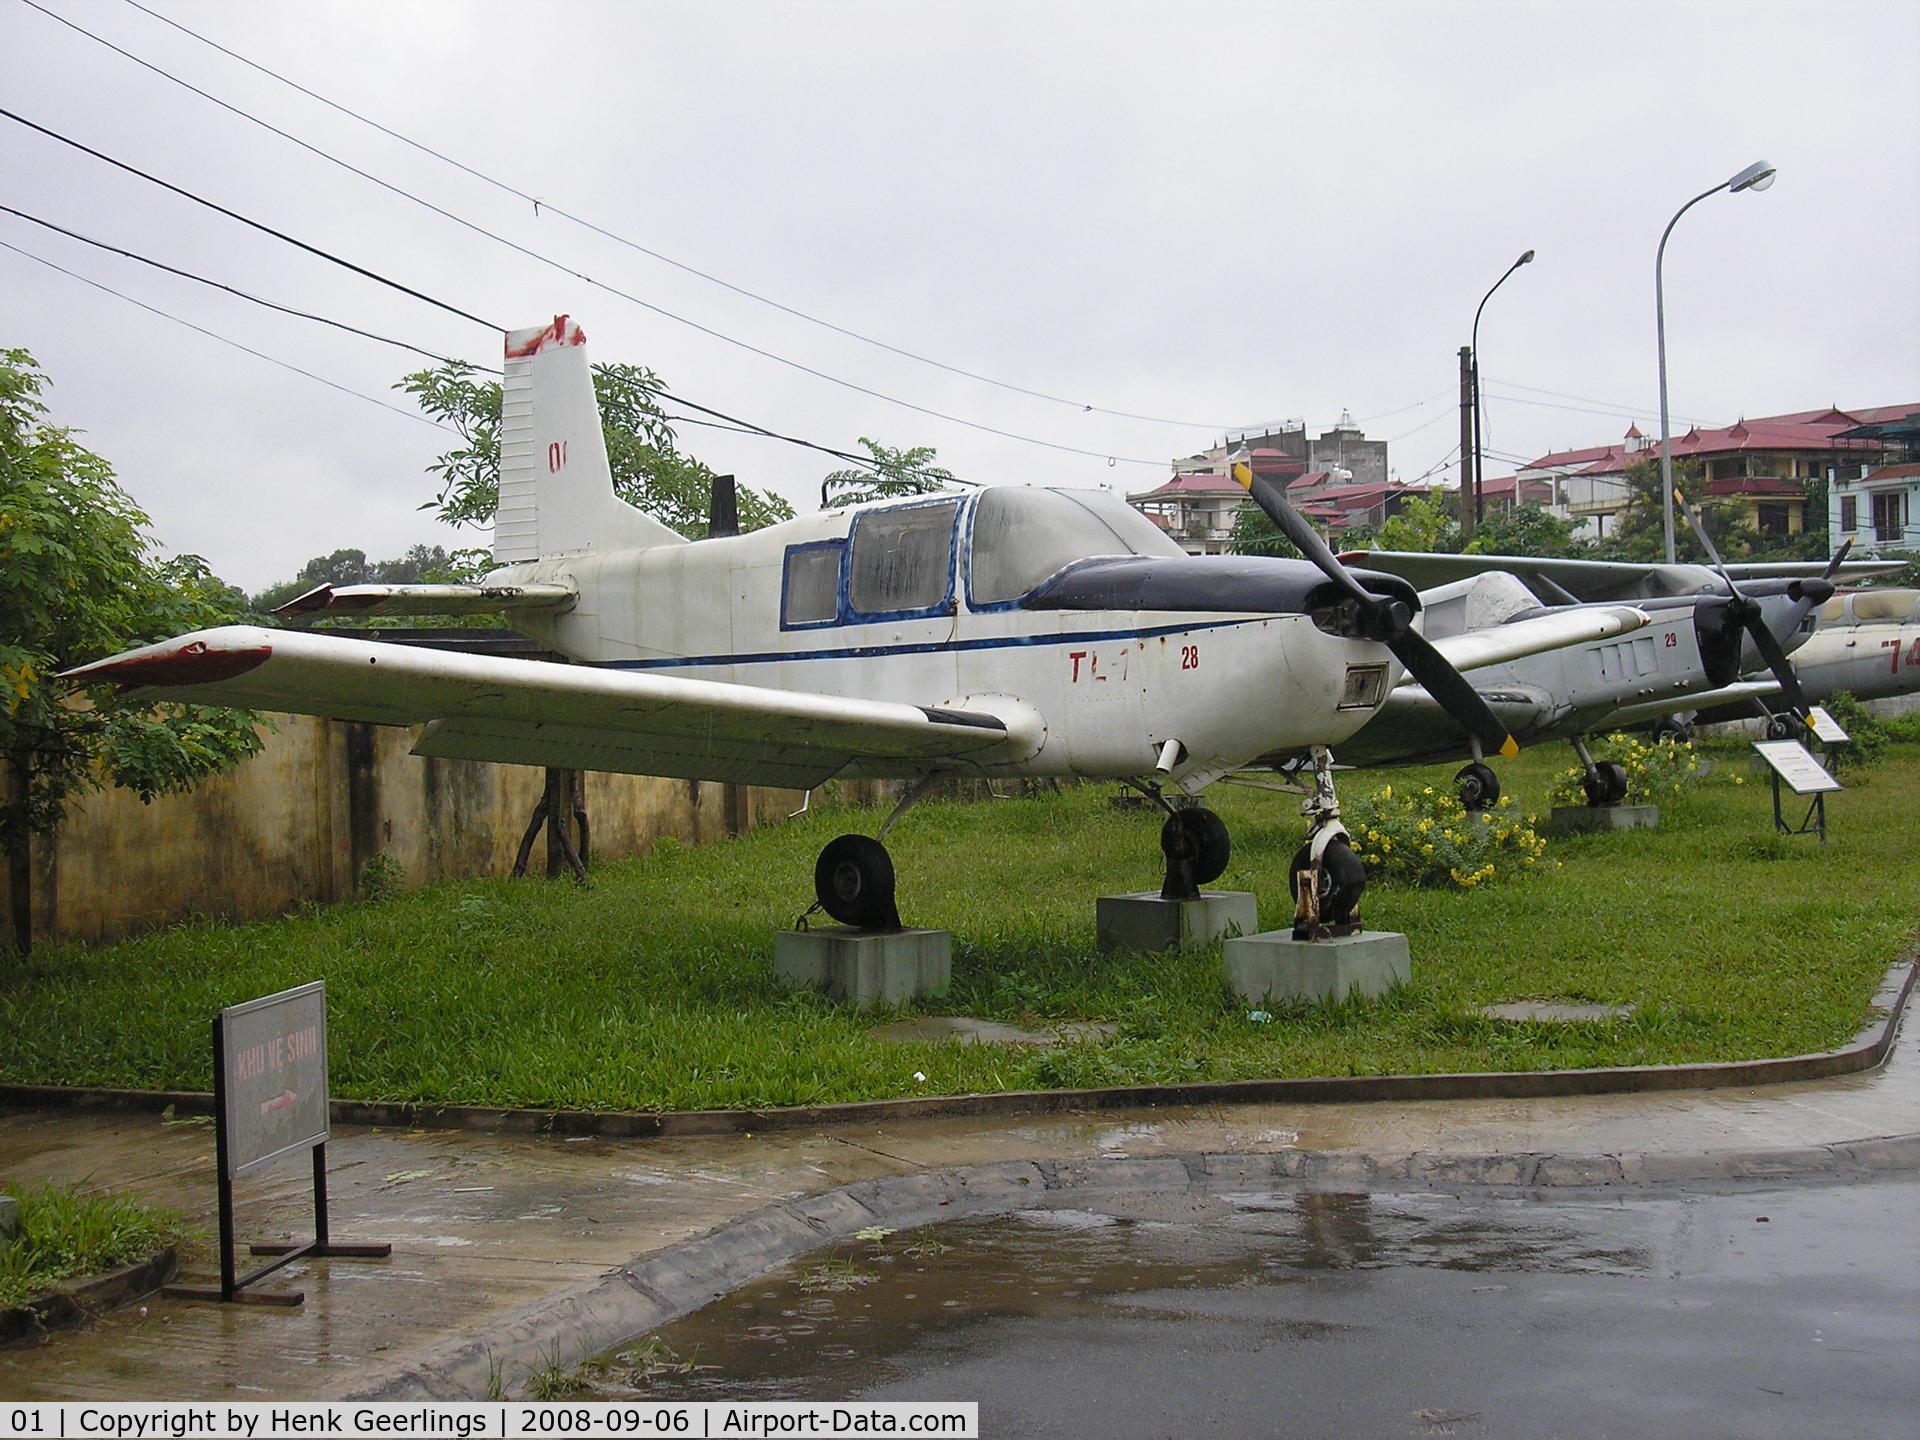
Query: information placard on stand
(1793, 766)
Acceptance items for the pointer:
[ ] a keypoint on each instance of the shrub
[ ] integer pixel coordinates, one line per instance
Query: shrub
(1425, 836)
(1867, 734)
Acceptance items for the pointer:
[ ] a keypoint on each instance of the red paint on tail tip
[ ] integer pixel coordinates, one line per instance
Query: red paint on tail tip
(190, 664)
(563, 331)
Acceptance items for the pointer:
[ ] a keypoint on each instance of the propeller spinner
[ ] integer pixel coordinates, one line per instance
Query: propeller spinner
(1385, 619)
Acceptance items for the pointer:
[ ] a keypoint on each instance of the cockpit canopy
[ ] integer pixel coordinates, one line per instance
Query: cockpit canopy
(1022, 536)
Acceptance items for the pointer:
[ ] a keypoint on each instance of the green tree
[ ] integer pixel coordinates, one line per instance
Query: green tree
(649, 471)
(1254, 534)
(1424, 523)
(892, 473)
(1528, 530)
(79, 580)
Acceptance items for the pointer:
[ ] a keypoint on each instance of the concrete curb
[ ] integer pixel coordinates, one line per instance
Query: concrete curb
(78, 1301)
(1869, 1048)
(653, 1290)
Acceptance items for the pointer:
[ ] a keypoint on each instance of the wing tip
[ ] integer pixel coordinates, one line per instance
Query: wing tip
(194, 662)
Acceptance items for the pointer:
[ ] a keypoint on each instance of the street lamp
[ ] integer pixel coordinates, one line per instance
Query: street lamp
(1474, 346)
(1757, 176)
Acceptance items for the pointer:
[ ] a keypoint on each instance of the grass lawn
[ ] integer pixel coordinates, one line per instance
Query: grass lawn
(654, 988)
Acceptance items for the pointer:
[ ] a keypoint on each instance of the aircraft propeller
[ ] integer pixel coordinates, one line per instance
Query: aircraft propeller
(1745, 612)
(1385, 619)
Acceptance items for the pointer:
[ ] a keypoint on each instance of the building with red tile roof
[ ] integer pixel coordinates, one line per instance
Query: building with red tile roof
(1761, 466)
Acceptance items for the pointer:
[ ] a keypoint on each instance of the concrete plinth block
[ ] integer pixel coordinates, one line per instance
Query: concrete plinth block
(1273, 966)
(9, 1217)
(867, 967)
(1144, 921)
(1586, 819)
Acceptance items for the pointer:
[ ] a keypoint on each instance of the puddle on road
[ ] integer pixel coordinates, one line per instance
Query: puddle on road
(833, 1322)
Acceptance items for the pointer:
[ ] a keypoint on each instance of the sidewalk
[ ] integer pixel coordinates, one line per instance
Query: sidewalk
(512, 1252)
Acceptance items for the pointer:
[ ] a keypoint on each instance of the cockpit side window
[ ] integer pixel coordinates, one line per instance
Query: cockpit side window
(902, 559)
(810, 586)
(1021, 536)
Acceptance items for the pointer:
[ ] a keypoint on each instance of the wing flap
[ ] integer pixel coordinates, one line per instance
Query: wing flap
(533, 712)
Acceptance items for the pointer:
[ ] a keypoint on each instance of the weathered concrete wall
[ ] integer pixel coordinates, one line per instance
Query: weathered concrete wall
(296, 824)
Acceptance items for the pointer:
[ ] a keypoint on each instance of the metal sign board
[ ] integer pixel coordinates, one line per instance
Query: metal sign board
(1826, 728)
(1791, 762)
(273, 1058)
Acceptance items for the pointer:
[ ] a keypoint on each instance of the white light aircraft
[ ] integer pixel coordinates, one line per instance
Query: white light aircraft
(1007, 631)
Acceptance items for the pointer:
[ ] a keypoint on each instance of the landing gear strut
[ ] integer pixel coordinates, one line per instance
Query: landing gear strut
(1326, 878)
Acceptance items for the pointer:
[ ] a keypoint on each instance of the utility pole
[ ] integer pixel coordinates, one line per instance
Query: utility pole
(1467, 516)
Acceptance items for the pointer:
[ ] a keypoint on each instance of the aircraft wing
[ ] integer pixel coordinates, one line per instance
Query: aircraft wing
(427, 599)
(1497, 644)
(1589, 580)
(1704, 700)
(532, 712)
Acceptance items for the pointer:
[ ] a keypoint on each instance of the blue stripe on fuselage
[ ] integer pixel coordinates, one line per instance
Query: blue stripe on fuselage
(870, 652)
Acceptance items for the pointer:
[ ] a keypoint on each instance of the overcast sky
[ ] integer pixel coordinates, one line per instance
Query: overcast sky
(1215, 214)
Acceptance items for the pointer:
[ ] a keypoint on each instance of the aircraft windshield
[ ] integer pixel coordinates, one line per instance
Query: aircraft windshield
(1022, 536)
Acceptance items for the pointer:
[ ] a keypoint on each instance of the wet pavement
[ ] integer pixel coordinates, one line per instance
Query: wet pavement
(1738, 1309)
(513, 1253)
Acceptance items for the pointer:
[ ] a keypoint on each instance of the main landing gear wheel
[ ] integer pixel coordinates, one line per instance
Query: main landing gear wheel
(1605, 784)
(853, 880)
(1673, 730)
(1197, 847)
(1781, 727)
(1479, 787)
(1341, 881)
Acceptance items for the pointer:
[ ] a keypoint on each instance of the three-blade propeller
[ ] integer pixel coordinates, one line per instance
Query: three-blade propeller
(1384, 619)
(1747, 613)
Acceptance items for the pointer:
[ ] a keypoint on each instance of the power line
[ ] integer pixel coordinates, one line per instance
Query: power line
(211, 335)
(231, 290)
(739, 426)
(254, 224)
(1110, 457)
(541, 206)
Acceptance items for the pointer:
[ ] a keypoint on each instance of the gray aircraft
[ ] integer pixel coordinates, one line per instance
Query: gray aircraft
(1868, 645)
(1709, 629)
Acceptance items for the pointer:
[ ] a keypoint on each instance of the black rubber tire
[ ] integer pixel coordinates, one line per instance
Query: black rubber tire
(1479, 787)
(1782, 727)
(1607, 785)
(1672, 730)
(853, 880)
(1199, 833)
(1343, 879)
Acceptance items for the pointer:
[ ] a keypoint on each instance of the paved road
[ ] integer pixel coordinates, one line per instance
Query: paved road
(1722, 1311)
(512, 1249)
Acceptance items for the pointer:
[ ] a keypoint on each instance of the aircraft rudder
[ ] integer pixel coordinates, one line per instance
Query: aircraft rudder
(556, 486)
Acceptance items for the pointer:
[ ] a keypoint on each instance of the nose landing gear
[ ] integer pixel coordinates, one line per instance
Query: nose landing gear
(1326, 878)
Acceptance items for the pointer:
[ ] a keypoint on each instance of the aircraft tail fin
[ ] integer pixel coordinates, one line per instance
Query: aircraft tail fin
(556, 489)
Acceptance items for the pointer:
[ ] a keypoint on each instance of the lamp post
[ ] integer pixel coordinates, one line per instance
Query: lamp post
(1757, 176)
(1474, 346)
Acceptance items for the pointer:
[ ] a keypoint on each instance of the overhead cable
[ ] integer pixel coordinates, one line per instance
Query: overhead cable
(212, 335)
(254, 224)
(1108, 456)
(231, 290)
(541, 206)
